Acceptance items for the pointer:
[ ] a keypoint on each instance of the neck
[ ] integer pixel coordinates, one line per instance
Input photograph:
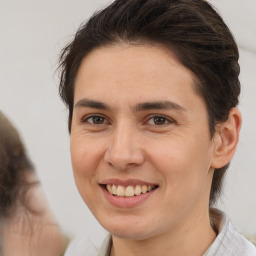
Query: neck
(192, 239)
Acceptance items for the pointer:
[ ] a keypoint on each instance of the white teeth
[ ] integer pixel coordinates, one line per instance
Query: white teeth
(120, 191)
(114, 190)
(109, 188)
(137, 190)
(128, 191)
(144, 189)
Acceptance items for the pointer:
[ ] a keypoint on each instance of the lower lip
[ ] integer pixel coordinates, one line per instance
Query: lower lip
(127, 202)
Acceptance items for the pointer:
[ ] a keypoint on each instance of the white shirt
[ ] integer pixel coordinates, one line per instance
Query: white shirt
(227, 243)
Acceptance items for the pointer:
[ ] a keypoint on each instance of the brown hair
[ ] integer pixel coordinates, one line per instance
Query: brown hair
(192, 29)
(14, 165)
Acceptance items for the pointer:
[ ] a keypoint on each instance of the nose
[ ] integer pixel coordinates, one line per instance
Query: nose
(125, 148)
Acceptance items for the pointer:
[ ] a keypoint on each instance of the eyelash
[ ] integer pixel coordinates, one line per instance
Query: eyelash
(163, 118)
(86, 118)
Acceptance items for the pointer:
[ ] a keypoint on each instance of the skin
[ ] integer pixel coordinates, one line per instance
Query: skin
(26, 234)
(121, 139)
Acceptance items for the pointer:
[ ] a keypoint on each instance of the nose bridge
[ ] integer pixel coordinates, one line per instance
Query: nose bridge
(124, 149)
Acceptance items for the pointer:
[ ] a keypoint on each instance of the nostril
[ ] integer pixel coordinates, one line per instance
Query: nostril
(123, 161)
(129, 165)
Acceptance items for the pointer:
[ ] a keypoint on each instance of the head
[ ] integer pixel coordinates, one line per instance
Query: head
(27, 226)
(192, 30)
(14, 166)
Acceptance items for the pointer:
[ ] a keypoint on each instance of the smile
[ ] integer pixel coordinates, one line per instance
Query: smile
(130, 190)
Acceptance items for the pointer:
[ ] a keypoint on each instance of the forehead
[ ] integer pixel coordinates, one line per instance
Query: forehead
(137, 71)
(124, 59)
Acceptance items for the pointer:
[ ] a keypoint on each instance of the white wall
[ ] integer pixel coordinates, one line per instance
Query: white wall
(31, 36)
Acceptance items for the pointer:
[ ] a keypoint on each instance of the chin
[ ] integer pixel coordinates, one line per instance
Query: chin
(130, 234)
(128, 230)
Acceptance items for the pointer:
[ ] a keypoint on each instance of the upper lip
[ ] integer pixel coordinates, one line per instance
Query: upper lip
(126, 182)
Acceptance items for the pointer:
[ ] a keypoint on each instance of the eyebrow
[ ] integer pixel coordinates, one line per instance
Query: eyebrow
(86, 103)
(168, 105)
(158, 105)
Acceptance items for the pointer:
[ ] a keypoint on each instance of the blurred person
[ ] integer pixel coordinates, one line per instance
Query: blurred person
(27, 226)
(152, 90)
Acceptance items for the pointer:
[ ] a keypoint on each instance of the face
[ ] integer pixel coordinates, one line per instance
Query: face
(140, 143)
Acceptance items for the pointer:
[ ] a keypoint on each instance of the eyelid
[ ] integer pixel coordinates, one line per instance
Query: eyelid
(168, 119)
(85, 118)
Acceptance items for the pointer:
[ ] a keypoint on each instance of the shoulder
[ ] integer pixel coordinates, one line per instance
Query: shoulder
(250, 237)
(229, 242)
(241, 246)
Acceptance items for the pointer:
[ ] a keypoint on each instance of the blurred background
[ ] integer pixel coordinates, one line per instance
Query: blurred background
(32, 33)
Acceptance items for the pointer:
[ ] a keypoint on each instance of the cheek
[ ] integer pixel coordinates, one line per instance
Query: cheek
(184, 176)
(84, 164)
(84, 159)
(183, 163)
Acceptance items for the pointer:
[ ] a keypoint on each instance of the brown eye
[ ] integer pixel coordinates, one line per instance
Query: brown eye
(159, 120)
(96, 120)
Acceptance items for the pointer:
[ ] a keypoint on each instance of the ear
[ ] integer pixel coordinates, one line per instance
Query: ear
(226, 138)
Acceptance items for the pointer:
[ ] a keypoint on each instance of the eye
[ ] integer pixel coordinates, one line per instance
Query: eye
(159, 120)
(95, 120)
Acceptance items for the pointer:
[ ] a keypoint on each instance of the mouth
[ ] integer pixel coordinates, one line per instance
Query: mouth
(130, 190)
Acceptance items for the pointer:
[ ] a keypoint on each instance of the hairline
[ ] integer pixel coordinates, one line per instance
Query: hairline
(168, 48)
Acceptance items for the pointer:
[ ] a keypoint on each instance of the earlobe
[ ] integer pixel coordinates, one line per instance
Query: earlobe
(226, 139)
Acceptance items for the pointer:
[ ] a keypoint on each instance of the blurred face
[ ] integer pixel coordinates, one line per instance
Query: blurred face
(140, 143)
